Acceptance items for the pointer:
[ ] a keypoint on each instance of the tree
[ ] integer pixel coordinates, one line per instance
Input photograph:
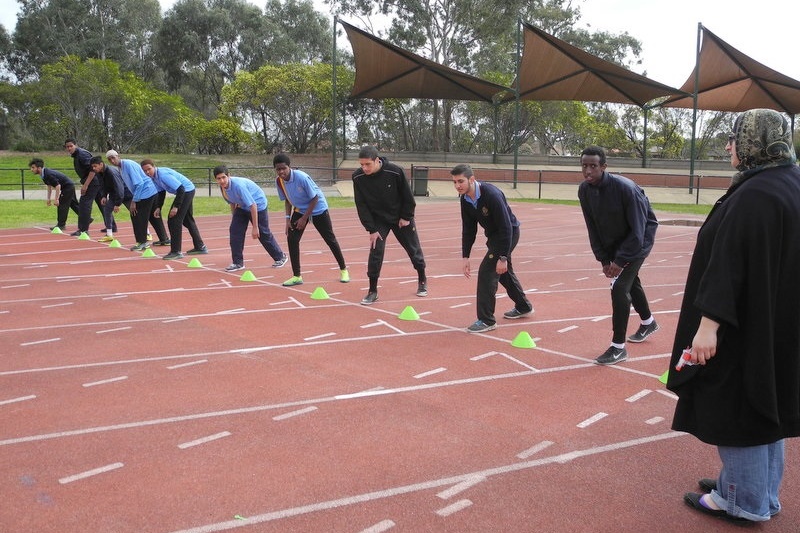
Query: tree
(119, 30)
(287, 104)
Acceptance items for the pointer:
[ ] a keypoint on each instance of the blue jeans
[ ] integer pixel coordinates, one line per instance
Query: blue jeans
(750, 480)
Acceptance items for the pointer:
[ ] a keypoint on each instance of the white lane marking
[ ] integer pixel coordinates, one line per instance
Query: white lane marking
(204, 440)
(461, 487)
(591, 420)
(112, 330)
(535, 449)
(190, 363)
(20, 399)
(57, 305)
(430, 373)
(295, 413)
(454, 507)
(43, 341)
(380, 527)
(638, 396)
(105, 381)
(566, 329)
(654, 420)
(90, 473)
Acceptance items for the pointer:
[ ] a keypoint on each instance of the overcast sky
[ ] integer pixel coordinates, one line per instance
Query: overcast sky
(668, 30)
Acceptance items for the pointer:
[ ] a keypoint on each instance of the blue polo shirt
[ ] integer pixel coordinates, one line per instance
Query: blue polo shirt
(167, 179)
(139, 183)
(244, 193)
(301, 189)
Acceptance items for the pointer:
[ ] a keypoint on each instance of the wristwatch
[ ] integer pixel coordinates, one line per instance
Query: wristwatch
(503, 258)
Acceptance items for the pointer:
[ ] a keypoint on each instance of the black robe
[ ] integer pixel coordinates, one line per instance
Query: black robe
(745, 274)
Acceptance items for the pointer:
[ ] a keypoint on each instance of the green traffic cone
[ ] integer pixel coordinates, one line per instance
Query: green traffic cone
(83, 236)
(56, 230)
(663, 377)
(194, 263)
(247, 276)
(523, 340)
(115, 244)
(408, 314)
(148, 253)
(319, 294)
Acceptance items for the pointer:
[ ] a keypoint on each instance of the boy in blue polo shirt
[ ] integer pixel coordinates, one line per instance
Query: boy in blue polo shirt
(181, 214)
(305, 203)
(248, 206)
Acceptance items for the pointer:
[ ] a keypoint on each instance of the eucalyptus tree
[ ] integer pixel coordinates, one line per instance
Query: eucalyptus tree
(289, 105)
(120, 30)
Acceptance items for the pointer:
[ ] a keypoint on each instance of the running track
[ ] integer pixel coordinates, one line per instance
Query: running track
(140, 395)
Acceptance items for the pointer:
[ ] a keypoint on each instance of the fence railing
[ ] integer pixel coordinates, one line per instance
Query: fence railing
(23, 184)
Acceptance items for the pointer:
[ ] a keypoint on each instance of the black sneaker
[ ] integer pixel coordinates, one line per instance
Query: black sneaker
(198, 251)
(516, 313)
(643, 332)
(422, 290)
(162, 243)
(233, 267)
(612, 356)
(707, 484)
(370, 298)
(479, 326)
(76, 233)
(280, 262)
(173, 255)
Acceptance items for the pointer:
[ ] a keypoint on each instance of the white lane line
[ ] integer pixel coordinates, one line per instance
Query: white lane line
(115, 297)
(454, 508)
(380, 527)
(461, 487)
(321, 336)
(568, 328)
(20, 399)
(294, 413)
(90, 473)
(482, 356)
(112, 330)
(105, 381)
(177, 319)
(204, 440)
(430, 373)
(638, 396)
(591, 420)
(669, 394)
(372, 325)
(654, 420)
(582, 279)
(391, 492)
(400, 331)
(229, 311)
(190, 363)
(535, 449)
(57, 305)
(44, 341)
(460, 305)
(15, 286)
(600, 318)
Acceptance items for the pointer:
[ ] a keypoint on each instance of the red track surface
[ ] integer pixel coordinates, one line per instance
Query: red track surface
(140, 395)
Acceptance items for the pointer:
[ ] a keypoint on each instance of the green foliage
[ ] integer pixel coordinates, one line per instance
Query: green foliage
(291, 103)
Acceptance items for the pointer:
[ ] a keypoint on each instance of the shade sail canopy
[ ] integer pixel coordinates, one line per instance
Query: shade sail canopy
(384, 70)
(732, 81)
(552, 69)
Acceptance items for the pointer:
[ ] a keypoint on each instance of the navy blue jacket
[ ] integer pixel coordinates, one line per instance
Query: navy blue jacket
(494, 215)
(621, 223)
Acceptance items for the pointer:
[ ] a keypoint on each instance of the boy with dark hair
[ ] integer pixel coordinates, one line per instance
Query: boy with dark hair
(248, 206)
(484, 204)
(65, 198)
(622, 229)
(385, 203)
(305, 203)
